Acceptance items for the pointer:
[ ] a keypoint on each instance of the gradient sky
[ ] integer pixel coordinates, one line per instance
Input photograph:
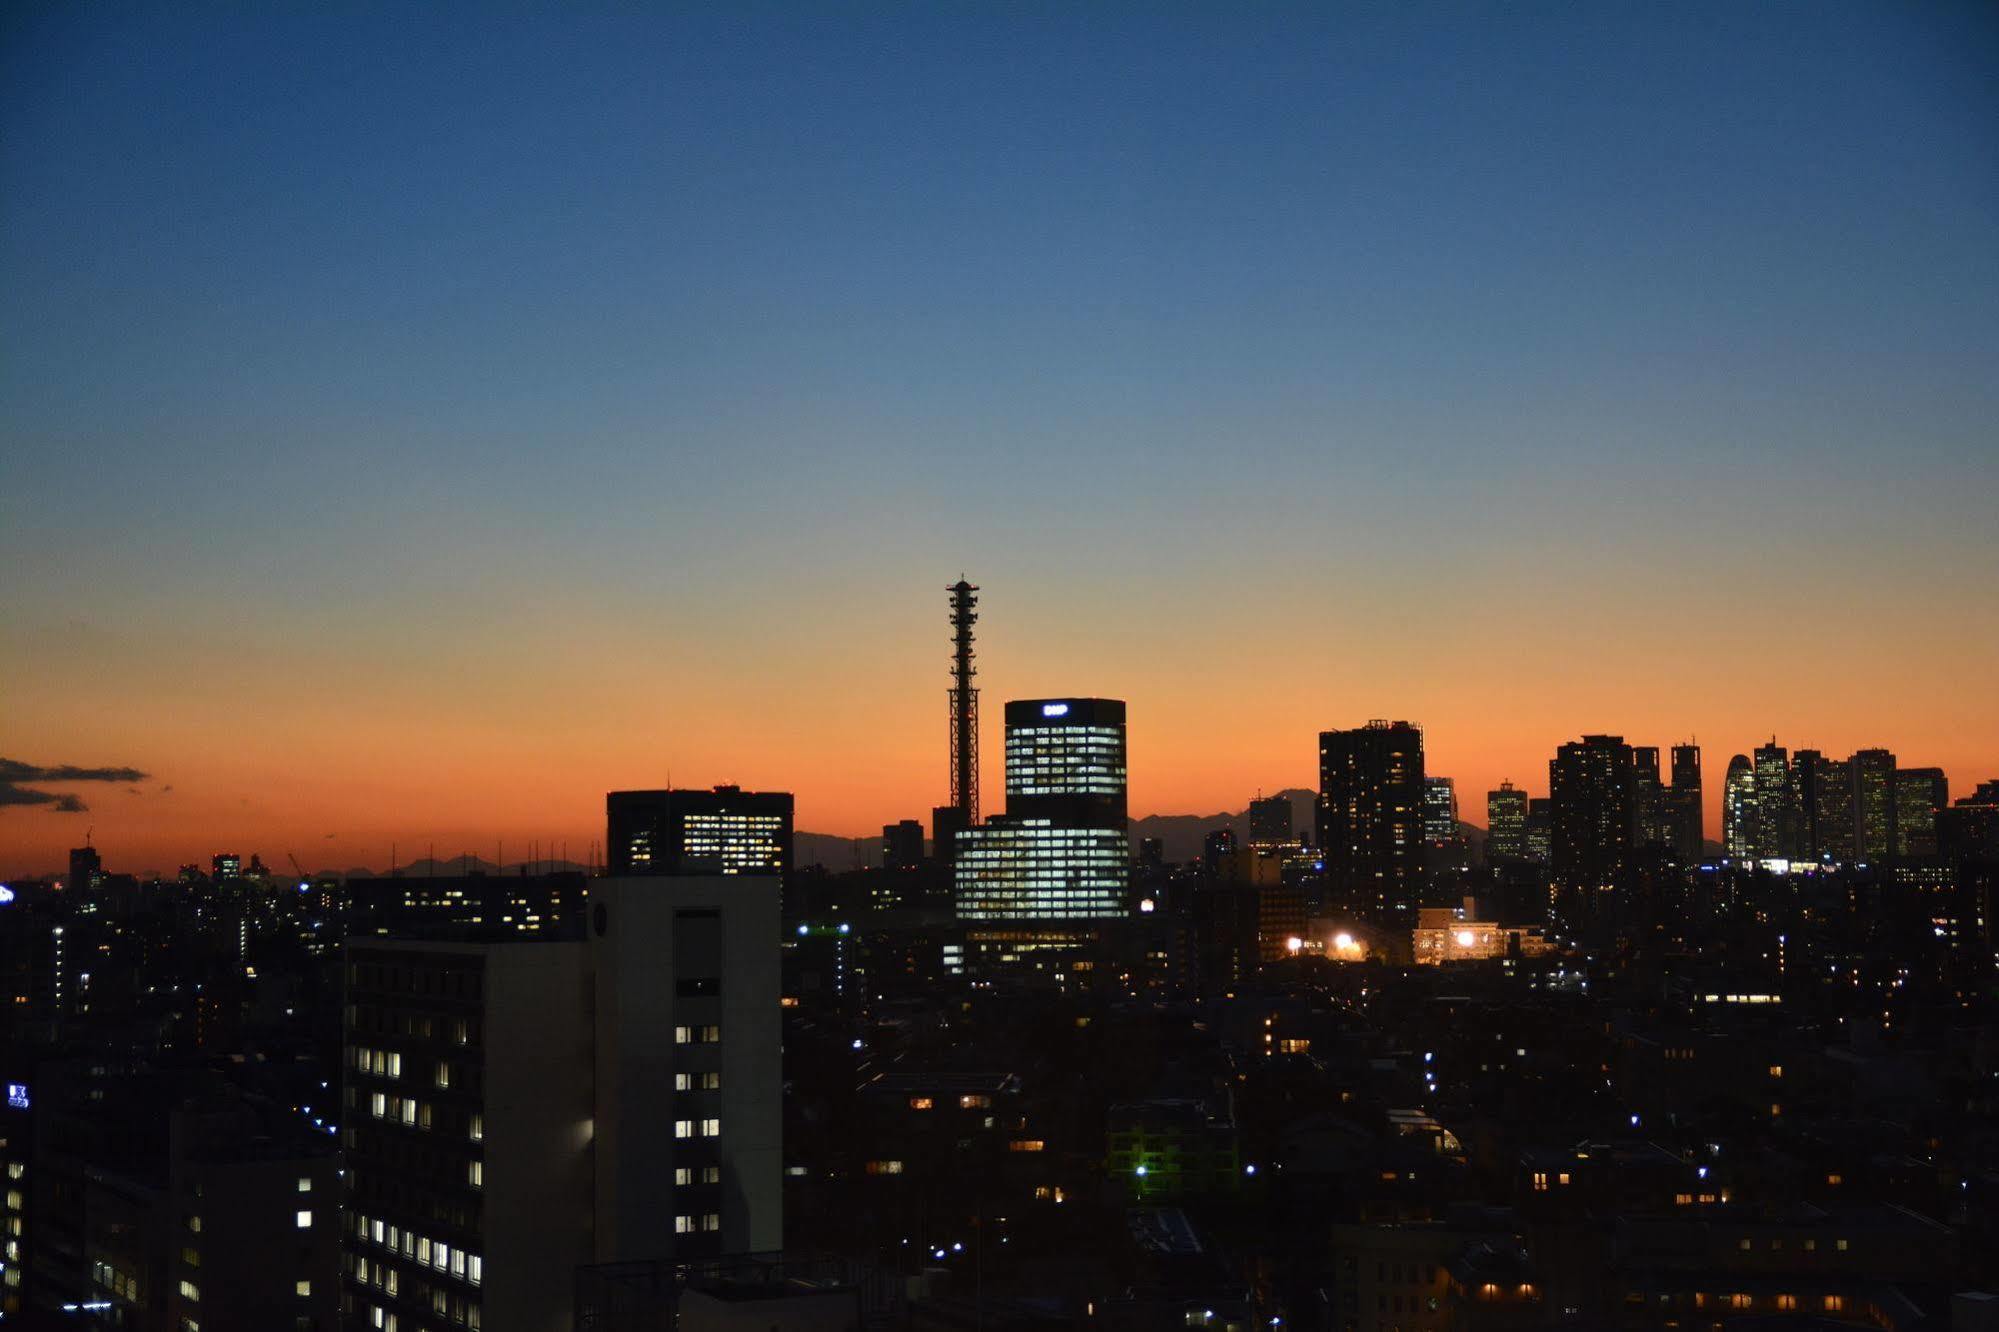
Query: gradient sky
(417, 421)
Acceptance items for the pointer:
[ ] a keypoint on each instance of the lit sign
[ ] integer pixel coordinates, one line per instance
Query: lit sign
(1054, 709)
(17, 1096)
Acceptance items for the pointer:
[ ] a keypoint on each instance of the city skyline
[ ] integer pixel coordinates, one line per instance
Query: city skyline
(579, 840)
(417, 428)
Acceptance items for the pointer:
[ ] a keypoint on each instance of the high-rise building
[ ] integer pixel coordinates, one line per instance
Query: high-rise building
(902, 845)
(1440, 811)
(1648, 798)
(1776, 804)
(1825, 806)
(1505, 824)
(1919, 794)
(1217, 849)
(1738, 809)
(1060, 851)
(725, 831)
(1873, 805)
(1590, 782)
(517, 1108)
(1065, 761)
(1270, 821)
(226, 865)
(1688, 815)
(1537, 833)
(1370, 817)
(86, 867)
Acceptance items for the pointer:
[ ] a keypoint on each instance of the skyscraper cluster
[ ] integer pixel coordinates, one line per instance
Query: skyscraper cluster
(1808, 806)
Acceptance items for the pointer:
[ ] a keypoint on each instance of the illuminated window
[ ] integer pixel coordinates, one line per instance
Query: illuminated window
(303, 1220)
(884, 1167)
(478, 1128)
(475, 1174)
(303, 1288)
(683, 1128)
(920, 1103)
(974, 1102)
(711, 1128)
(1540, 1181)
(190, 1291)
(304, 1184)
(1835, 1303)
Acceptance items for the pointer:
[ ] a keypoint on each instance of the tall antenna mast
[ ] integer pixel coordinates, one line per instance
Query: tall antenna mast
(964, 703)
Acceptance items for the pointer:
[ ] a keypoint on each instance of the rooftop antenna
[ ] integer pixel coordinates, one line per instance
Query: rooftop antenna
(964, 702)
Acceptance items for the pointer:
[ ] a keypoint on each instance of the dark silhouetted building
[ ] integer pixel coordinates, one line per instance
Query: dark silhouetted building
(1825, 806)
(1873, 805)
(86, 867)
(1270, 821)
(1919, 794)
(902, 845)
(1370, 817)
(1687, 813)
(412, 905)
(1648, 798)
(1590, 782)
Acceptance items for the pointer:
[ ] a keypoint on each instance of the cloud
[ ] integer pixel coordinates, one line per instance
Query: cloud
(15, 776)
(13, 770)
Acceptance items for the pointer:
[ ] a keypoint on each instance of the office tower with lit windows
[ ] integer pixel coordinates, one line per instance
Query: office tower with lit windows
(1270, 821)
(1505, 824)
(1776, 835)
(1440, 811)
(1060, 852)
(1825, 806)
(1873, 805)
(1370, 817)
(1648, 798)
(1919, 794)
(1591, 784)
(226, 865)
(725, 831)
(1739, 822)
(1685, 811)
(518, 1108)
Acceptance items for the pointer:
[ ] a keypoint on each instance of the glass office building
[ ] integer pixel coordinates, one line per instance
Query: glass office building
(1061, 850)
